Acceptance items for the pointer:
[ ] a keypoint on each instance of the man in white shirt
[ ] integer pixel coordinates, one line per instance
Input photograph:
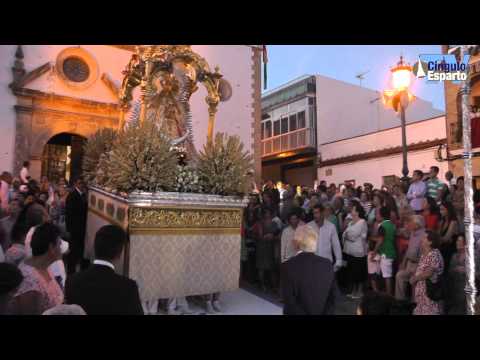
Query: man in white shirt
(289, 249)
(417, 192)
(328, 243)
(24, 173)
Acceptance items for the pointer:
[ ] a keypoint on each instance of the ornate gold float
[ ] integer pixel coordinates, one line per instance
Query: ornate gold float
(180, 244)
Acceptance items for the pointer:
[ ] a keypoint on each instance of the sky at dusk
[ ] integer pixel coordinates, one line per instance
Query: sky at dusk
(344, 62)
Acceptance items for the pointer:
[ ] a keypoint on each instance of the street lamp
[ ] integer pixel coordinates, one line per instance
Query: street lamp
(399, 98)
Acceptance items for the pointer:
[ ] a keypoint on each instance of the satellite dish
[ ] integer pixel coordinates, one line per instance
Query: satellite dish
(225, 90)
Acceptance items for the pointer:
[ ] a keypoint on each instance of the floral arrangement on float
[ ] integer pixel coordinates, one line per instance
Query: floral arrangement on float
(141, 158)
(154, 151)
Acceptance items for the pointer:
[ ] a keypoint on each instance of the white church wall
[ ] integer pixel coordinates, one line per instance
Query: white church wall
(233, 117)
(7, 112)
(110, 60)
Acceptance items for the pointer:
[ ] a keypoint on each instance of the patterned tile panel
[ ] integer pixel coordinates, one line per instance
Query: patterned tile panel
(172, 265)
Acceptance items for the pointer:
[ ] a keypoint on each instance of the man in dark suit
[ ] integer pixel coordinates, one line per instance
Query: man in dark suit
(76, 208)
(308, 284)
(99, 290)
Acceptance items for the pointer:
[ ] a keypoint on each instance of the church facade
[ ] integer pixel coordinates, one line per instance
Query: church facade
(53, 97)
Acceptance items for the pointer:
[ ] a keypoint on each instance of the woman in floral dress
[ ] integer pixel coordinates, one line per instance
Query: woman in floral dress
(430, 267)
(39, 291)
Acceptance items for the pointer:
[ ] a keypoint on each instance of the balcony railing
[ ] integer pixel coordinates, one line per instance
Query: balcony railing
(294, 140)
(456, 131)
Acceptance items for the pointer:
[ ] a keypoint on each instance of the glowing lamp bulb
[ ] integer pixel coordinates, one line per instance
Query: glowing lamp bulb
(401, 78)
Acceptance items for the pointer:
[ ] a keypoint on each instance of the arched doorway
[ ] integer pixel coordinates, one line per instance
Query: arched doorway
(62, 157)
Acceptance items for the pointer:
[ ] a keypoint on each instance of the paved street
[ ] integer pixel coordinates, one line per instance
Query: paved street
(251, 301)
(344, 305)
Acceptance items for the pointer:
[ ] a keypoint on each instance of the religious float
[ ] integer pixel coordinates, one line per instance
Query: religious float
(182, 208)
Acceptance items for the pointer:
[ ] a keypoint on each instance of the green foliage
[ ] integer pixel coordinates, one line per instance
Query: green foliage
(140, 160)
(98, 144)
(223, 166)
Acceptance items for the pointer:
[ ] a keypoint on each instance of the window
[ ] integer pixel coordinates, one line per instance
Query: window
(284, 125)
(301, 119)
(268, 129)
(476, 103)
(76, 69)
(276, 128)
(262, 131)
(311, 101)
(265, 116)
(293, 122)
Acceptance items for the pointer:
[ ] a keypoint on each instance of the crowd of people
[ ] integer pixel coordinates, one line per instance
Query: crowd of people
(405, 241)
(398, 249)
(42, 265)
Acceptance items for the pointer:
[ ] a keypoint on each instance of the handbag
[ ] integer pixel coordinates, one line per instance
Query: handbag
(435, 291)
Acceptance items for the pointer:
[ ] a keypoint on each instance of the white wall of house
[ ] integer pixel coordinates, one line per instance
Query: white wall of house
(374, 170)
(234, 116)
(426, 130)
(345, 110)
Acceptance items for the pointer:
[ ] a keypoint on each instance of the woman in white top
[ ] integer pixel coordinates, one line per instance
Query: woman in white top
(355, 249)
(37, 215)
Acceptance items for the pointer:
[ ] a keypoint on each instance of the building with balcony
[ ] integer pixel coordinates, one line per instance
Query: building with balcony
(288, 132)
(453, 118)
(319, 128)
